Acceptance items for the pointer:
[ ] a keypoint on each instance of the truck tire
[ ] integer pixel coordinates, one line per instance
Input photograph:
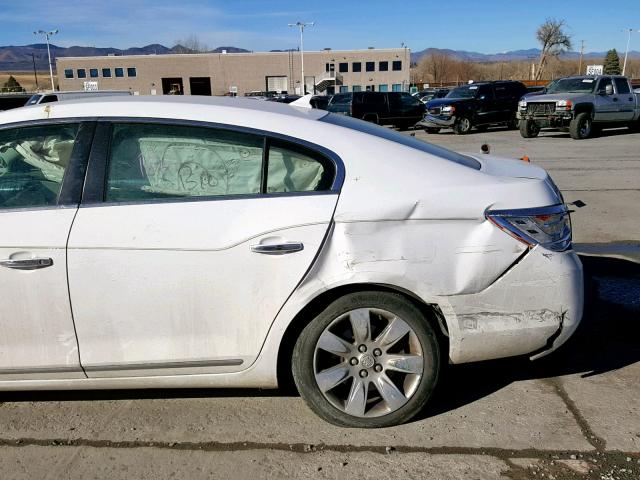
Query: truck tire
(581, 126)
(462, 126)
(529, 128)
(635, 126)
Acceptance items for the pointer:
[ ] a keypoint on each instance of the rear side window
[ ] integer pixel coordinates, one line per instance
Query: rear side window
(155, 162)
(393, 136)
(33, 162)
(622, 85)
(167, 161)
(49, 99)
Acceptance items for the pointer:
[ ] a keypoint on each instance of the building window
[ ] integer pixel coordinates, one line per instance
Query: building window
(106, 72)
(68, 73)
(344, 88)
(119, 72)
(370, 88)
(371, 66)
(383, 66)
(344, 67)
(131, 72)
(93, 72)
(356, 88)
(356, 67)
(396, 87)
(383, 87)
(82, 73)
(397, 65)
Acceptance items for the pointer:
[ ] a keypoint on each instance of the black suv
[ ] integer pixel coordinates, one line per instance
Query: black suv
(384, 108)
(475, 105)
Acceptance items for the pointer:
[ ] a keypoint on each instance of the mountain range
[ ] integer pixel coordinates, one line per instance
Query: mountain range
(22, 58)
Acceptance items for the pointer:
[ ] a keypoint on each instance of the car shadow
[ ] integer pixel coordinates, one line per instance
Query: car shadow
(604, 133)
(606, 340)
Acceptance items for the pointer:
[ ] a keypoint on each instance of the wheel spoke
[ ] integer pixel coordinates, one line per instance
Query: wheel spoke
(392, 396)
(361, 325)
(332, 343)
(357, 399)
(329, 378)
(392, 333)
(405, 363)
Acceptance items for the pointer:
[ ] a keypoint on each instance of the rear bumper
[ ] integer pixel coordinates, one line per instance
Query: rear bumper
(437, 121)
(531, 310)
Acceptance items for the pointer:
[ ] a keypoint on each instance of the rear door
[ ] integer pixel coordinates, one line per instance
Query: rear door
(41, 173)
(184, 258)
(626, 101)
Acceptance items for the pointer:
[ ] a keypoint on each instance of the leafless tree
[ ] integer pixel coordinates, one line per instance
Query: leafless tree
(191, 44)
(553, 40)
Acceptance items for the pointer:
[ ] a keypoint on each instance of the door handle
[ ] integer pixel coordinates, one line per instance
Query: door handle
(615, 99)
(278, 249)
(27, 264)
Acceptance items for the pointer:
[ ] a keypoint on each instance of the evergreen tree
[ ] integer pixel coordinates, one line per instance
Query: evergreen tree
(11, 85)
(612, 63)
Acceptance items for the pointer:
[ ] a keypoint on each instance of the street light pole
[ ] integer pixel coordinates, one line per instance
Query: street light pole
(301, 26)
(48, 35)
(626, 53)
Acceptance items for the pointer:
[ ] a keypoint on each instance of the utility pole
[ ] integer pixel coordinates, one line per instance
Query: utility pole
(47, 36)
(35, 72)
(301, 26)
(581, 55)
(626, 53)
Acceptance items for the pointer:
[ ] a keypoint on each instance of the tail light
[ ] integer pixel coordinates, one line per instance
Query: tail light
(549, 227)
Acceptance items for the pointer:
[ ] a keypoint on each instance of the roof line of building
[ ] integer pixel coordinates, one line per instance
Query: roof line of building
(208, 54)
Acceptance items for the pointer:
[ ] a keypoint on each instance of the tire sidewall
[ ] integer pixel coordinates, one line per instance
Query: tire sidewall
(304, 351)
(457, 128)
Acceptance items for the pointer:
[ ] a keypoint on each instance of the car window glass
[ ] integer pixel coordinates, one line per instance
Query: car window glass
(602, 86)
(49, 99)
(166, 161)
(33, 161)
(294, 169)
(502, 92)
(622, 85)
(485, 91)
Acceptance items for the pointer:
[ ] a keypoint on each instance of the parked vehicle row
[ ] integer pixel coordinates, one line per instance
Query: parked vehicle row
(225, 242)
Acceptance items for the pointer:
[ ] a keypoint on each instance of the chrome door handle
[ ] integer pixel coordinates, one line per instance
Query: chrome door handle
(27, 264)
(278, 249)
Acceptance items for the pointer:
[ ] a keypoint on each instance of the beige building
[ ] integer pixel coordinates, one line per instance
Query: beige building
(326, 71)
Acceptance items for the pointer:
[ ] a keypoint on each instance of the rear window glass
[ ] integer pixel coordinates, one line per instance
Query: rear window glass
(407, 141)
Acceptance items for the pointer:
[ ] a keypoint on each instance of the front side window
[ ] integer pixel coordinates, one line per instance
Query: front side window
(397, 65)
(119, 72)
(344, 67)
(167, 161)
(93, 72)
(356, 67)
(371, 66)
(383, 66)
(622, 86)
(68, 73)
(33, 161)
(106, 72)
(131, 72)
(82, 73)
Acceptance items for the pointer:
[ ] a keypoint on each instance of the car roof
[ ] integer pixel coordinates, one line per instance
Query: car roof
(170, 107)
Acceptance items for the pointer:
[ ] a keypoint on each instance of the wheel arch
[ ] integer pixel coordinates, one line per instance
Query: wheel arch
(584, 108)
(431, 312)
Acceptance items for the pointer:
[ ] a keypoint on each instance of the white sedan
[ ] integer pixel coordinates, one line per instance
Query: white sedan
(188, 242)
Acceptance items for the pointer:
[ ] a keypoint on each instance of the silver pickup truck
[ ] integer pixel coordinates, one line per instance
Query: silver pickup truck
(581, 105)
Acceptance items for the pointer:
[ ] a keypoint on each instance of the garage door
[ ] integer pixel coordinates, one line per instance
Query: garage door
(277, 84)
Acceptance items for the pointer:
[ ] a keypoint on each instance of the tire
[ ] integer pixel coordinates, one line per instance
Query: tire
(529, 128)
(403, 126)
(581, 126)
(432, 129)
(513, 123)
(387, 315)
(462, 126)
(635, 126)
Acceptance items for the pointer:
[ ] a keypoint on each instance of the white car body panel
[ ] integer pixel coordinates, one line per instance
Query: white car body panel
(177, 286)
(404, 219)
(35, 315)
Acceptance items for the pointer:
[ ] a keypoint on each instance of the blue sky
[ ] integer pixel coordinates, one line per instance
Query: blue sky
(488, 26)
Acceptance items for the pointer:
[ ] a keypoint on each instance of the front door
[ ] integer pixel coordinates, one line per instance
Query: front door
(187, 261)
(606, 104)
(37, 336)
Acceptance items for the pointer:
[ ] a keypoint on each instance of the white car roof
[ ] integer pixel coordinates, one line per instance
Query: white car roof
(171, 107)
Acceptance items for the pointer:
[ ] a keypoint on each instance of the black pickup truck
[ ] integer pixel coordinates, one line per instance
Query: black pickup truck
(475, 105)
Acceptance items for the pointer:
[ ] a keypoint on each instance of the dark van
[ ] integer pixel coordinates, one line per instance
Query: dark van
(384, 108)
